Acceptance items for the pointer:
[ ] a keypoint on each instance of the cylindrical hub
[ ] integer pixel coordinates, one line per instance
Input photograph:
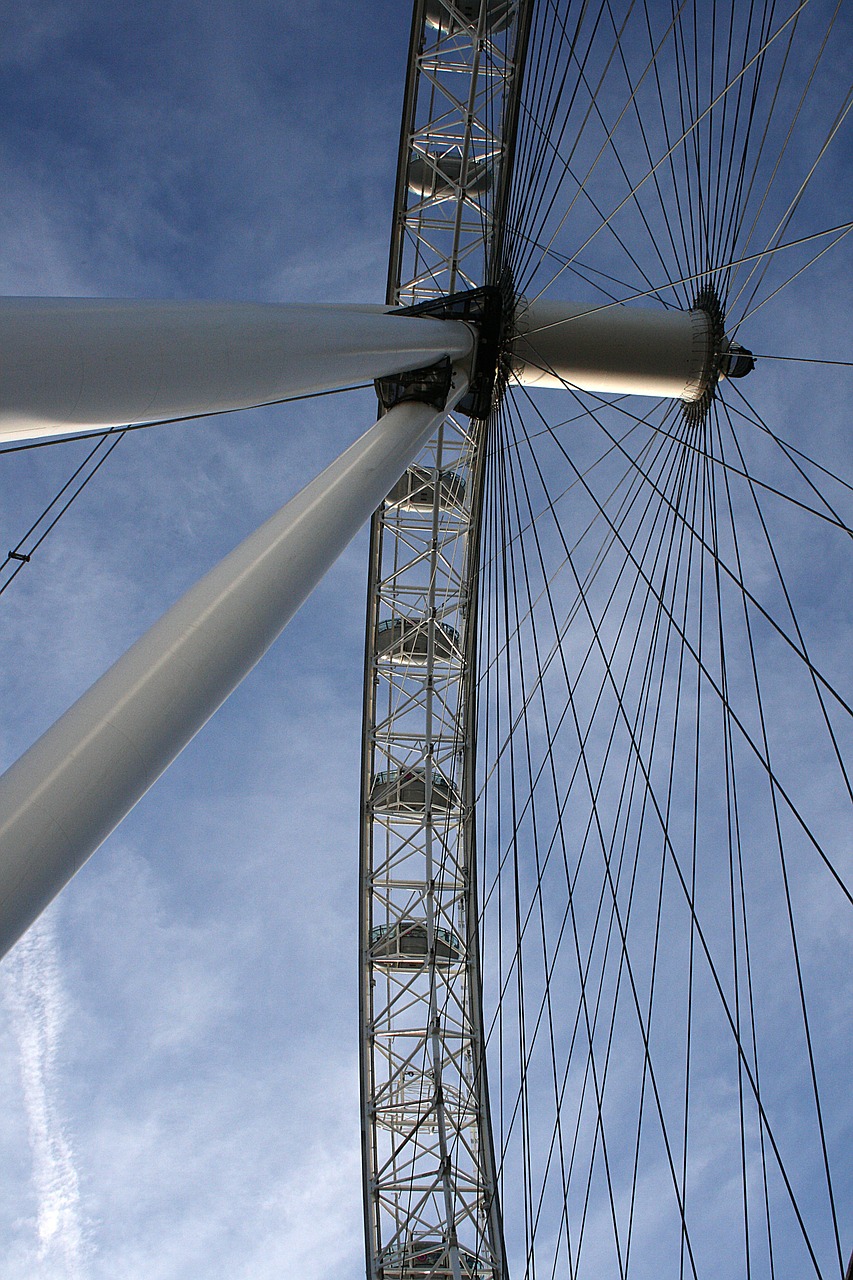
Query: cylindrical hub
(614, 350)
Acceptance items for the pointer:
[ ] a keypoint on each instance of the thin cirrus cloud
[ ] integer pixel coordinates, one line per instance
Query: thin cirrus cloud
(36, 1004)
(198, 1113)
(205, 1083)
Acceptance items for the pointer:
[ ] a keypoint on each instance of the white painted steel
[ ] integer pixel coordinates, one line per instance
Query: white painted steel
(613, 350)
(452, 170)
(73, 786)
(68, 364)
(430, 1177)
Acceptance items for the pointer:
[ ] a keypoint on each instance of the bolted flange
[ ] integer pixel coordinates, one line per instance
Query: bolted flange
(486, 310)
(723, 358)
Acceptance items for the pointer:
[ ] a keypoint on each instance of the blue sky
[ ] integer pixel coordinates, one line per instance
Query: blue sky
(178, 1034)
(202, 1087)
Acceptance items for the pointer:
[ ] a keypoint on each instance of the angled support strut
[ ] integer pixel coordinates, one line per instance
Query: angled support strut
(73, 786)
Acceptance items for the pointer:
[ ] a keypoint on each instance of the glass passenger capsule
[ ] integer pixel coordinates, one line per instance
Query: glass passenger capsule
(430, 1260)
(401, 794)
(405, 944)
(417, 488)
(499, 14)
(405, 642)
(442, 177)
(410, 1103)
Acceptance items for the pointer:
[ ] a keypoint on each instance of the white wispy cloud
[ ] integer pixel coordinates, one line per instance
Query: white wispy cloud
(35, 999)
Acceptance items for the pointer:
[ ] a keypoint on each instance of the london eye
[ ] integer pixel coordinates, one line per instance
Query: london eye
(604, 939)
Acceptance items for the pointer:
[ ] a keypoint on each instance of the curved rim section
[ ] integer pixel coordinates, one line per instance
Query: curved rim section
(429, 1170)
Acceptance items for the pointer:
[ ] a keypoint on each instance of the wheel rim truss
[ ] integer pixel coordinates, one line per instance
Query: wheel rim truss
(431, 1207)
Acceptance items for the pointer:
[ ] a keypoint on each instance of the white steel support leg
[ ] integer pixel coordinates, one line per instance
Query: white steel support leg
(73, 786)
(70, 364)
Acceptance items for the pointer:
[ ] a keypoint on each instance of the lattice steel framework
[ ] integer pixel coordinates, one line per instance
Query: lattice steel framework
(429, 1176)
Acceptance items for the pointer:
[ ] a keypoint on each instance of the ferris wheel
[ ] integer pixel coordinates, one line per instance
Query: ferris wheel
(604, 925)
(573, 805)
